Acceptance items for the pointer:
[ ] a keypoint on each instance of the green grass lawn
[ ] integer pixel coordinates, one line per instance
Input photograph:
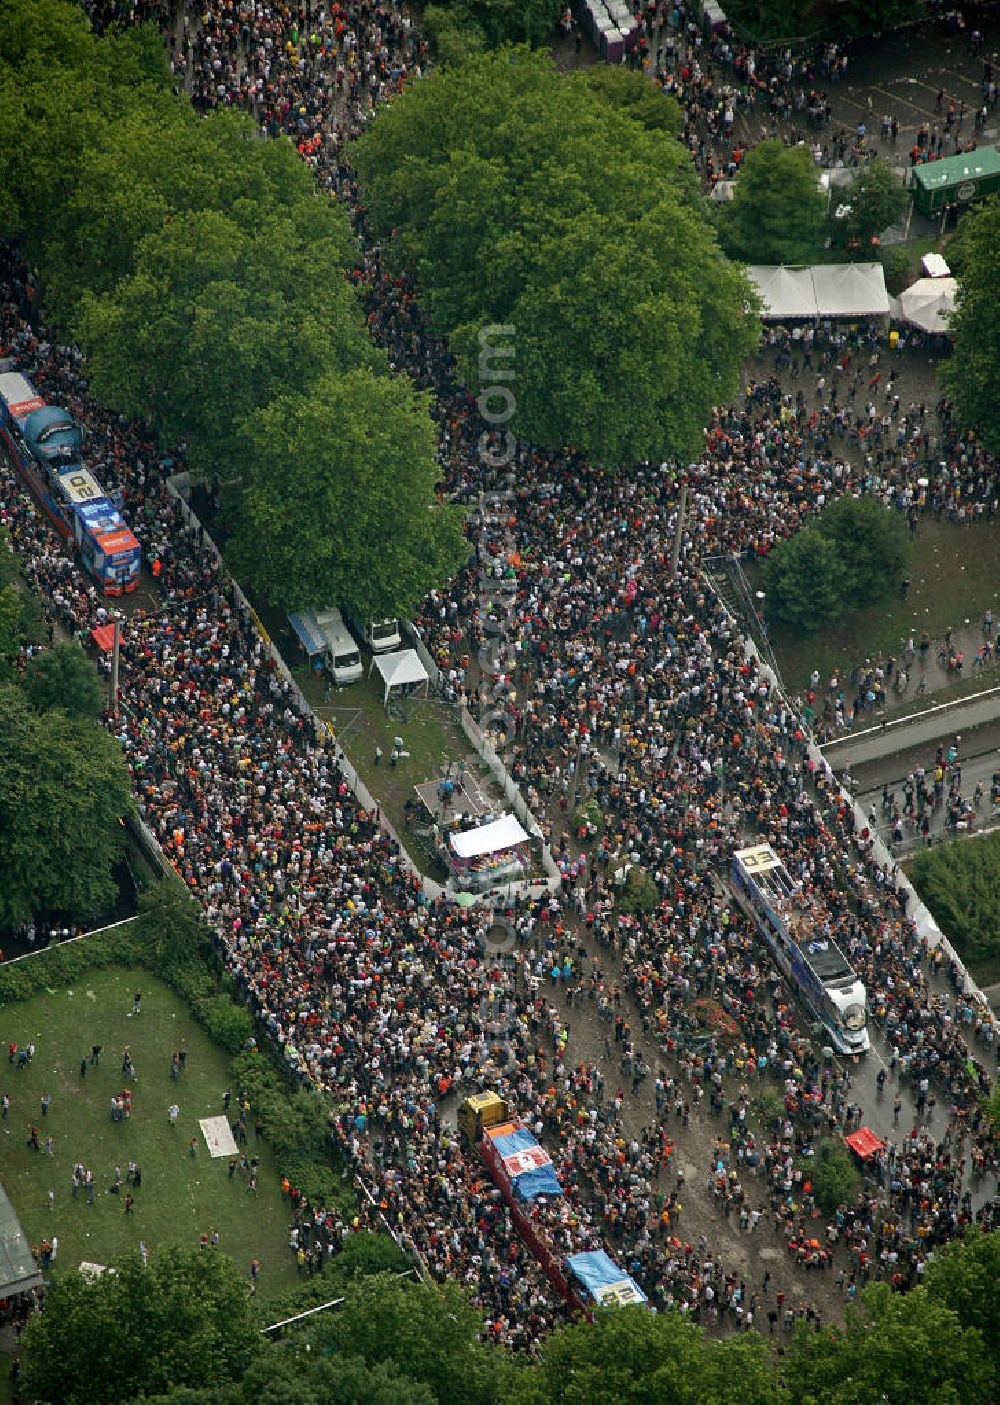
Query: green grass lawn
(180, 1196)
(955, 576)
(430, 732)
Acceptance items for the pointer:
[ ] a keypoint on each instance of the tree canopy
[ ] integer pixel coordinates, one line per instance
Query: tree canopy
(63, 677)
(631, 1356)
(206, 278)
(427, 1333)
(218, 320)
(851, 556)
(778, 212)
(960, 883)
(64, 789)
(496, 22)
(971, 375)
(626, 322)
(897, 1349)
(877, 199)
(803, 579)
(872, 542)
(183, 1320)
(360, 452)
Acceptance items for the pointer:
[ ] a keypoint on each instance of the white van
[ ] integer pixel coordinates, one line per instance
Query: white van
(342, 657)
(381, 636)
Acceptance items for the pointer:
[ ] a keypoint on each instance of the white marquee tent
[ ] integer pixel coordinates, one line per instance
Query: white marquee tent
(929, 302)
(399, 669)
(850, 290)
(834, 290)
(785, 292)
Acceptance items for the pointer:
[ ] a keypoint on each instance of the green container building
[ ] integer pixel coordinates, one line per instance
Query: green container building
(960, 179)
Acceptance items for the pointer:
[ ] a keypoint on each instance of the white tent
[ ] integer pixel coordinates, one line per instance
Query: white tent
(399, 669)
(850, 290)
(824, 290)
(785, 292)
(929, 303)
(935, 266)
(503, 833)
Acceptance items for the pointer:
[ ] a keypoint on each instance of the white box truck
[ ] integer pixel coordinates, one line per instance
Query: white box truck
(381, 636)
(342, 657)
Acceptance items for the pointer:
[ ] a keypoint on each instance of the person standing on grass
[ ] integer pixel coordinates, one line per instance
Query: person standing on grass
(4, 1107)
(137, 1003)
(193, 1147)
(129, 1204)
(33, 1139)
(173, 1112)
(46, 1103)
(83, 1067)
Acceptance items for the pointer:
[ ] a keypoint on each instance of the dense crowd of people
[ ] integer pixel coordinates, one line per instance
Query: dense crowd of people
(621, 682)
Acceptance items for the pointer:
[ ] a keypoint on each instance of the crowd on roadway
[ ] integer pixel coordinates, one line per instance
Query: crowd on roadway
(624, 683)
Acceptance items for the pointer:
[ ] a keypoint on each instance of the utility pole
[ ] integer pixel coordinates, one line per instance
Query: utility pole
(675, 555)
(115, 648)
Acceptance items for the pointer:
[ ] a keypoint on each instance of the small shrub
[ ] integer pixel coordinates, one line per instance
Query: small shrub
(228, 1024)
(833, 1176)
(639, 895)
(589, 816)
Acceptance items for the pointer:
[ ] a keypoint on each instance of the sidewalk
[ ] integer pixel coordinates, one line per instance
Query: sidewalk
(946, 718)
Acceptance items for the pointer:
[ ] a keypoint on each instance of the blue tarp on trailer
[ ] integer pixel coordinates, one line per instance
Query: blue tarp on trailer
(311, 639)
(528, 1164)
(602, 1280)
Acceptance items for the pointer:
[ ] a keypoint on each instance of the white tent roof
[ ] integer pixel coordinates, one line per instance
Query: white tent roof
(929, 302)
(850, 289)
(935, 266)
(824, 290)
(503, 833)
(400, 668)
(785, 292)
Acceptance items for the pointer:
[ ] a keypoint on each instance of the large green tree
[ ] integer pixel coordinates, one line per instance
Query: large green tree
(429, 1334)
(560, 210)
(218, 319)
(339, 504)
(183, 1320)
(20, 624)
(630, 1356)
(872, 543)
(971, 375)
(960, 883)
(64, 789)
(804, 582)
(496, 22)
(897, 1349)
(293, 1375)
(61, 91)
(965, 1277)
(63, 677)
(778, 212)
(877, 199)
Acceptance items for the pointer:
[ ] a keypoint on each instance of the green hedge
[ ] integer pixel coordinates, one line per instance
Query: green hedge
(960, 883)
